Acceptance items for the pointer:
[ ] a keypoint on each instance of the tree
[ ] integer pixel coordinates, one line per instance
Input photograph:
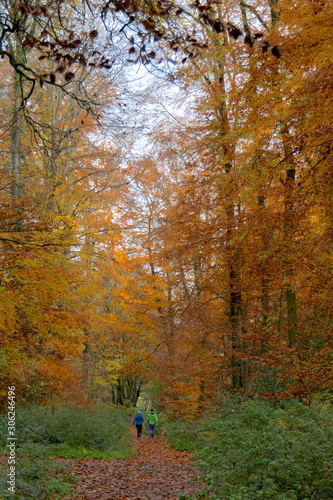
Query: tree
(210, 269)
(56, 221)
(275, 161)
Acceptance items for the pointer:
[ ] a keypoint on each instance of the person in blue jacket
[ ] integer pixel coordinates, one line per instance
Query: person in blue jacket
(138, 421)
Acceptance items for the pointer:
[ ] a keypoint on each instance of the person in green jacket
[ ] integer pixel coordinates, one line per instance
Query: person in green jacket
(152, 421)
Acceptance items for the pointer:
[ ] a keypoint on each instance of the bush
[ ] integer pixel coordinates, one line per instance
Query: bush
(186, 436)
(258, 451)
(38, 476)
(74, 427)
(75, 432)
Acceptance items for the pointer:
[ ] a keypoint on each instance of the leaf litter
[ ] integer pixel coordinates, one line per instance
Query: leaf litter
(156, 472)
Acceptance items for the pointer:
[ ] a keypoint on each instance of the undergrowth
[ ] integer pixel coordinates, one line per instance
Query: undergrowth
(44, 435)
(255, 450)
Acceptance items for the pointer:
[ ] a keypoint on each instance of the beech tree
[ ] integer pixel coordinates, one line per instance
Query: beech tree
(255, 171)
(204, 265)
(56, 181)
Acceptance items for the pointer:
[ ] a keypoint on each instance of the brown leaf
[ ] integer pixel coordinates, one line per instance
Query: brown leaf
(264, 45)
(44, 11)
(275, 51)
(69, 76)
(218, 27)
(27, 43)
(233, 31)
(93, 34)
(156, 472)
(149, 25)
(249, 40)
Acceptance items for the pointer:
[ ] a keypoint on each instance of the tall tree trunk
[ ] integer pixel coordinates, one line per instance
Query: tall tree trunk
(264, 293)
(16, 134)
(291, 300)
(235, 296)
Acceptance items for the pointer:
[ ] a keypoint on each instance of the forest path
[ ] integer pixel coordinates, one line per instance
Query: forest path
(157, 472)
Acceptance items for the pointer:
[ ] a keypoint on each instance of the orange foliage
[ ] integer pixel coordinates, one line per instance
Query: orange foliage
(211, 269)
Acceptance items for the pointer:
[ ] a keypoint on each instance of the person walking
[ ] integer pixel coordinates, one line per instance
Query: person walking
(152, 421)
(138, 421)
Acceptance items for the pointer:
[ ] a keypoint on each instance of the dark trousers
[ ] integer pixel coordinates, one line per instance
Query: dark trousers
(139, 429)
(152, 430)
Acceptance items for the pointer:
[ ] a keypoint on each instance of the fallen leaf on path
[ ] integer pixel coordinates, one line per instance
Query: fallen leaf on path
(157, 472)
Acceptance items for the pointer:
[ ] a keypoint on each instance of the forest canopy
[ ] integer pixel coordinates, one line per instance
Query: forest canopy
(166, 199)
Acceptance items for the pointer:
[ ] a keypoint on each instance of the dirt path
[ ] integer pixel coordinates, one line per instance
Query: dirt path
(157, 472)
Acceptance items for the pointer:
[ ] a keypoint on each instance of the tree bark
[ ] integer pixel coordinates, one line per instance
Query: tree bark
(290, 295)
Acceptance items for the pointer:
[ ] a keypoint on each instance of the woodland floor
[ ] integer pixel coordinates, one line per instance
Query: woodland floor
(156, 472)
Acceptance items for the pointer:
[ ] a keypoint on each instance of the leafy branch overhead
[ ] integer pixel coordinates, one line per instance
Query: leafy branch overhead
(46, 32)
(169, 222)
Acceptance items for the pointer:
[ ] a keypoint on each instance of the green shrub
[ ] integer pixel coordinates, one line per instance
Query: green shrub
(258, 451)
(67, 432)
(38, 476)
(75, 427)
(186, 436)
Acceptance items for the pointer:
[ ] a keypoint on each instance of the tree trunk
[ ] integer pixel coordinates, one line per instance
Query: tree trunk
(235, 296)
(290, 295)
(16, 134)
